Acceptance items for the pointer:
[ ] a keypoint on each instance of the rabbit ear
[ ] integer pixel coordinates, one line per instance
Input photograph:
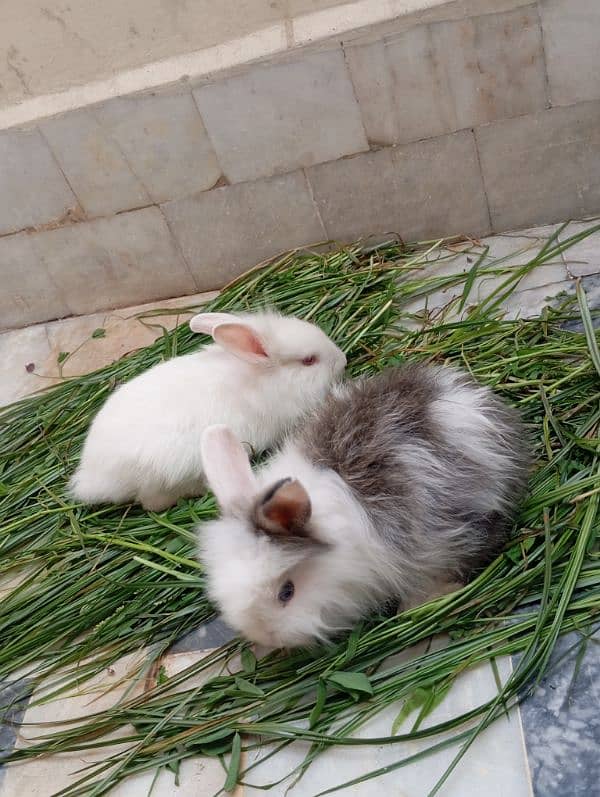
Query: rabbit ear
(227, 467)
(204, 323)
(243, 341)
(285, 510)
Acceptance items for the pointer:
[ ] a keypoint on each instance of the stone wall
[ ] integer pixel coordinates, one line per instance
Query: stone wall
(470, 117)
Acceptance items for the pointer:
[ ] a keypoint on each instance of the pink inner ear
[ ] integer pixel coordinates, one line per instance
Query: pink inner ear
(241, 340)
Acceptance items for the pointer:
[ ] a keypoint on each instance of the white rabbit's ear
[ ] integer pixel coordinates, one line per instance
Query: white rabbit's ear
(205, 323)
(227, 467)
(243, 341)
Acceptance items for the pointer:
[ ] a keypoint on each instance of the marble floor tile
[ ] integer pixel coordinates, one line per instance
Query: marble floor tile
(495, 764)
(561, 722)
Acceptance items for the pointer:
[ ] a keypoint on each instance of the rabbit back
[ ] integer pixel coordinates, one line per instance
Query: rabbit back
(437, 461)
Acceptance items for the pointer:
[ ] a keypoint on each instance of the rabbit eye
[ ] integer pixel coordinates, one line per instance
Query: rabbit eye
(286, 593)
(309, 360)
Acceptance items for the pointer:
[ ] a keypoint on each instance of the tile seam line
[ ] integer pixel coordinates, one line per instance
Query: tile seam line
(209, 138)
(58, 165)
(547, 86)
(109, 133)
(178, 247)
(314, 203)
(348, 72)
(523, 740)
(78, 206)
(484, 188)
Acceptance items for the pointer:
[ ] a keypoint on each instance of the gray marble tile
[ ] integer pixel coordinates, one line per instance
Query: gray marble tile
(112, 262)
(542, 167)
(591, 286)
(420, 190)
(281, 117)
(227, 230)
(434, 79)
(494, 766)
(572, 45)
(165, 142)
(33, 189)
(96, 168)
(29, 294)
(210, 635)
(561, 723)
(13, 704)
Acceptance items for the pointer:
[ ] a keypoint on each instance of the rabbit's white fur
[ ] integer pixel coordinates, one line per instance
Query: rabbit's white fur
(245, 570)
(395, 487)
(144, 444)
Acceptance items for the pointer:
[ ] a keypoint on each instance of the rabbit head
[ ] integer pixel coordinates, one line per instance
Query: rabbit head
(274, 564)
(297, 355)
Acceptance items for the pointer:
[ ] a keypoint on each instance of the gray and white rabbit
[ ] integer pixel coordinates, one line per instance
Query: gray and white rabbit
(263, 372)
(398, 486)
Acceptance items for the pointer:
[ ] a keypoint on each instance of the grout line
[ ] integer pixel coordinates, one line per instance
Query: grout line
(391, 90)
(123, 212)
(58, 224)
(78, 203)
(519, 719)
(544, 59)
(47, 332)
(111, 138)
(210, 141)
(179, 248)
(354, 94)
(481, 174)
(289, 33)
(315, 204)
(78, 207)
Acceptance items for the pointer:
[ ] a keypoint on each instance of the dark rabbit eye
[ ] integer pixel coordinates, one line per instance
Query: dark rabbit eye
(286, 593)
(309, 360)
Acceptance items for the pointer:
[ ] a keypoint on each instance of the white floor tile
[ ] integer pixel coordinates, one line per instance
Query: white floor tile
(21, 353)
(582, 258)
(495, 765)
(29, 356)
(514, 249)
(198, 777)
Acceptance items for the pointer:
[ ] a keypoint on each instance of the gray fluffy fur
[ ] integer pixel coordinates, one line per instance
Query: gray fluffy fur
(442, 496)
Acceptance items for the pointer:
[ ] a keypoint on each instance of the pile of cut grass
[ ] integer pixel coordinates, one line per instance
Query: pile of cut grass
(94, 584)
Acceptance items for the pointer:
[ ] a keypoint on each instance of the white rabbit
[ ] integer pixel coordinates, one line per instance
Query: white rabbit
(396, 487)
(263, 372)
